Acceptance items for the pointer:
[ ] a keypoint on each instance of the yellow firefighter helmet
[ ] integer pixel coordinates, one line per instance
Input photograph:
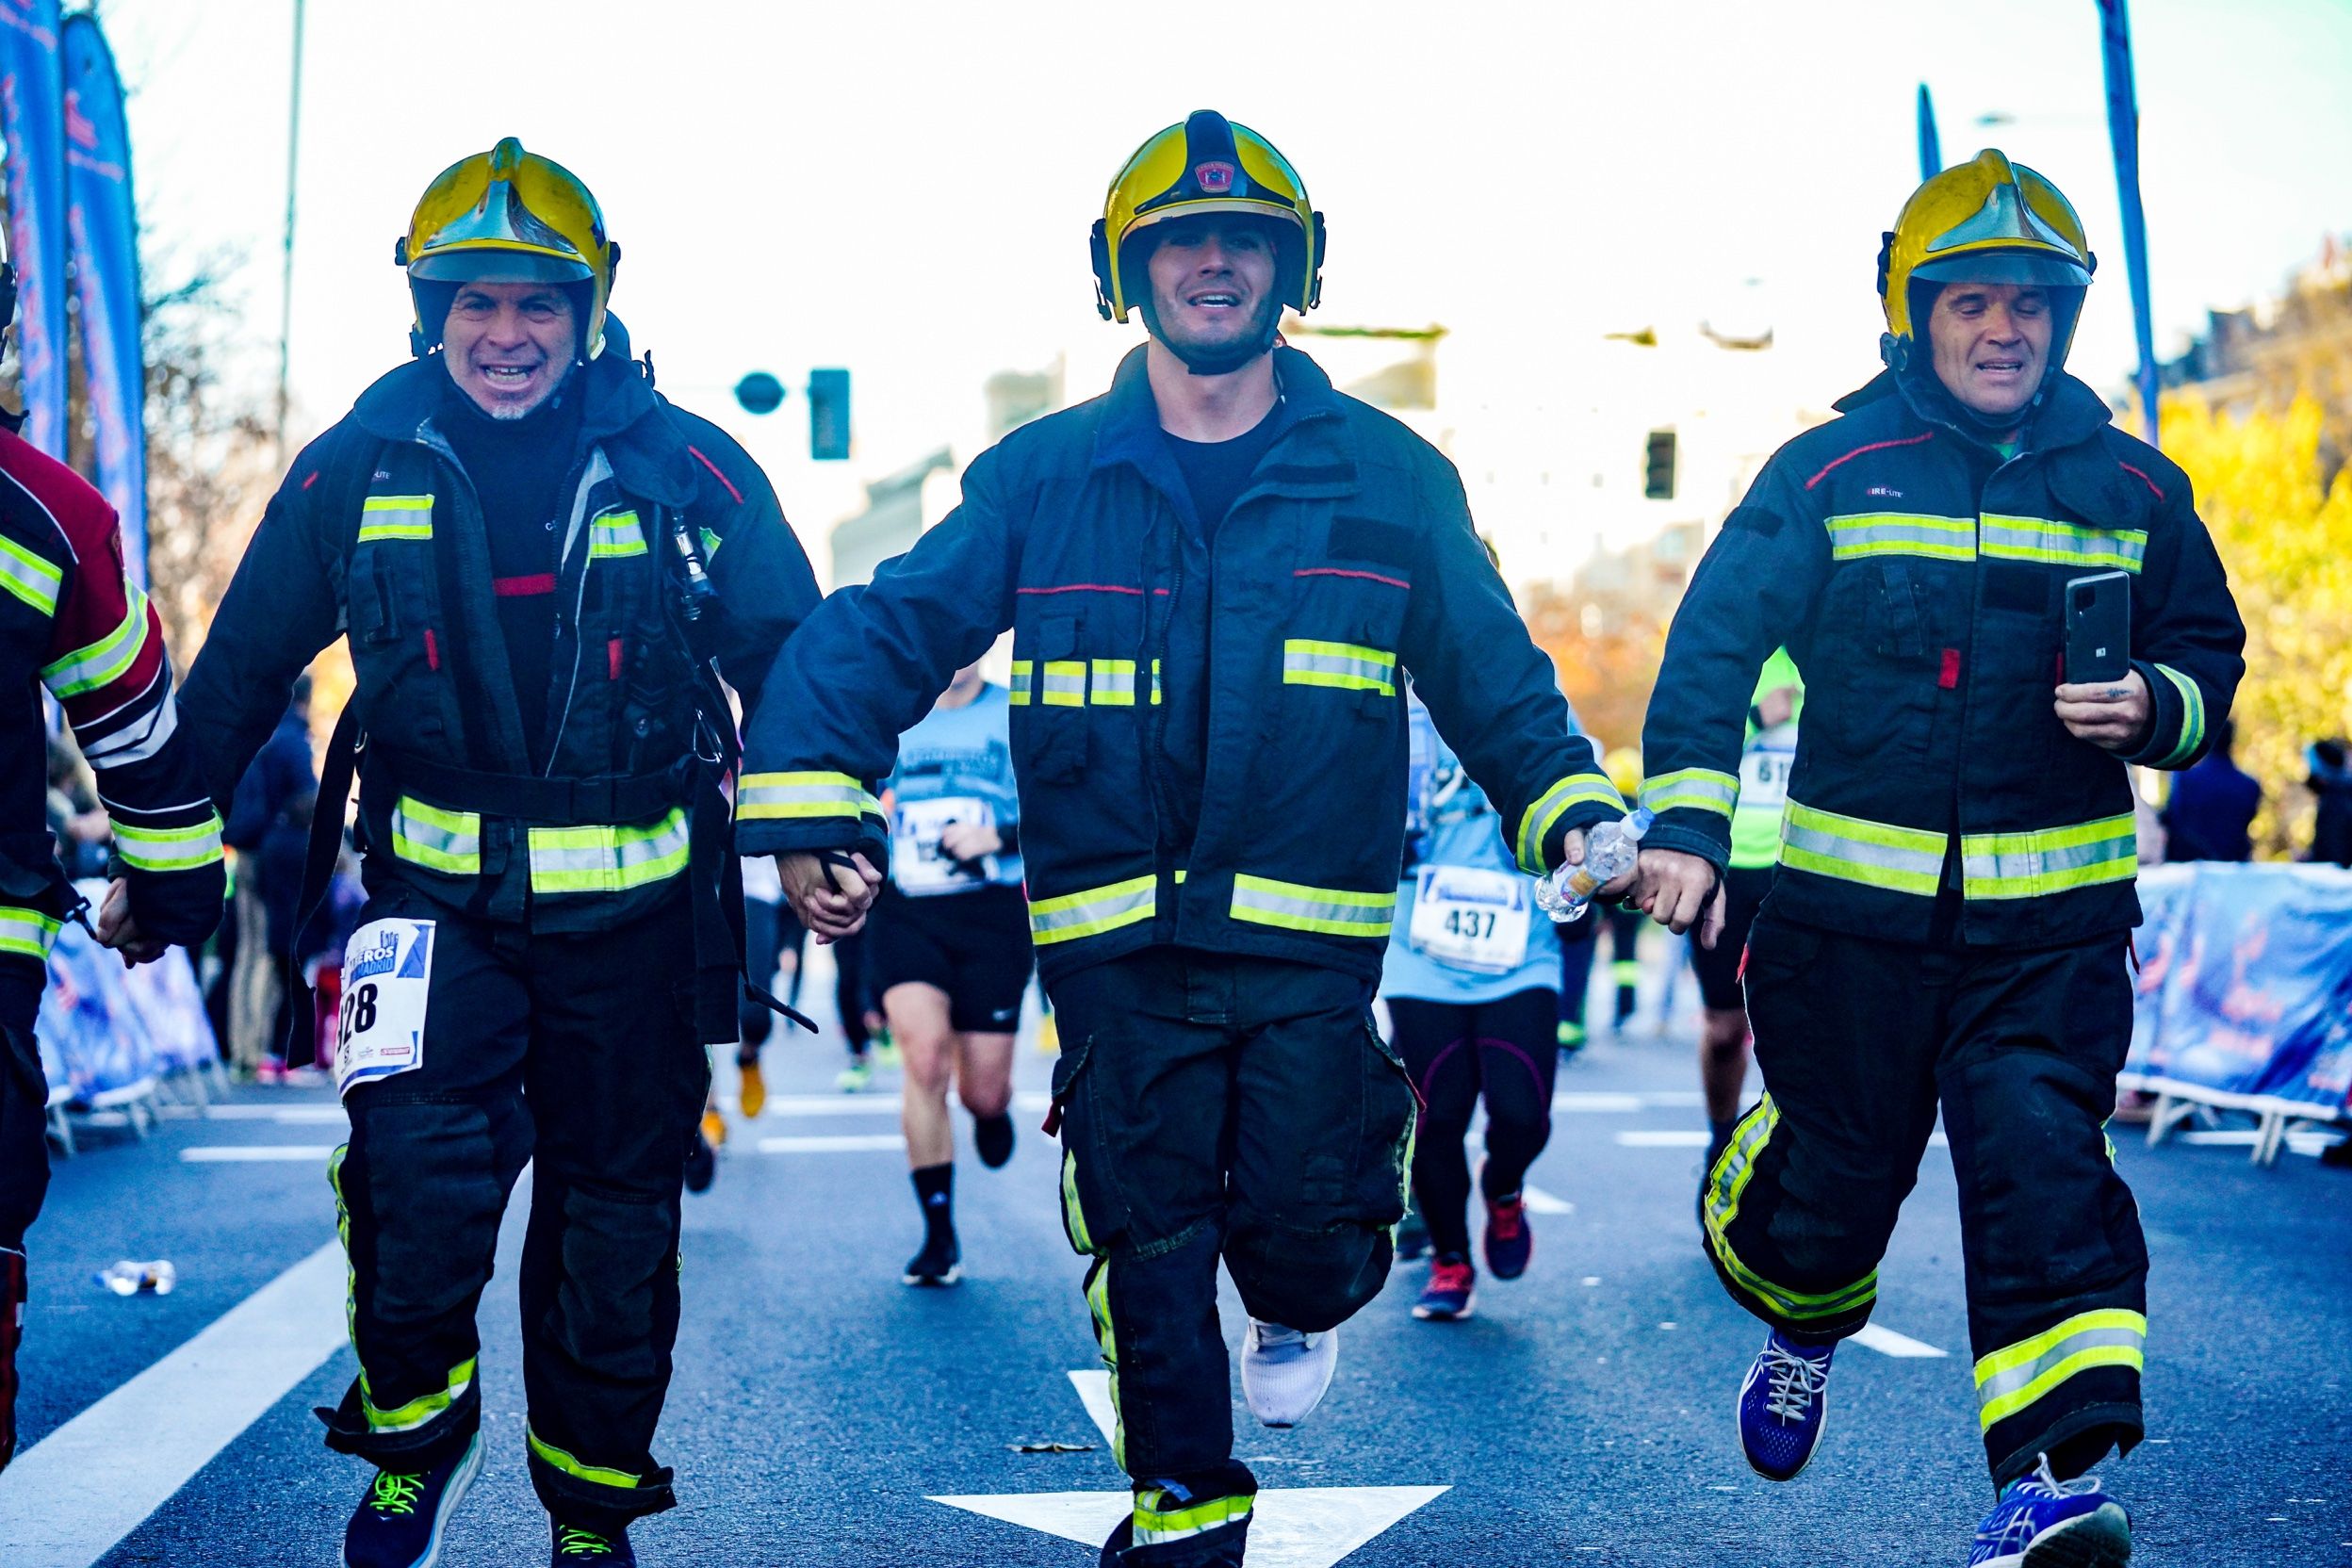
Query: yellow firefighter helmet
(1986, 220)
(507, 215)
(1208, 164)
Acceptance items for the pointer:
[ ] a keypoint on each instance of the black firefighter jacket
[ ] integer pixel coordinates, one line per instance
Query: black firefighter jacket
(1348, 561)
(1918, 579)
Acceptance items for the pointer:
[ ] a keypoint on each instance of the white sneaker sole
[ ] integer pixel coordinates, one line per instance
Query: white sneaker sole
(1441, 1315)
(2099, 1540)
(954, 1274)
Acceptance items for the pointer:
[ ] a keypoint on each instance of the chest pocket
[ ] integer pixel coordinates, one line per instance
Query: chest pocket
(1348, 609)
(1048, 696)
(1884, 701)
(393, 602)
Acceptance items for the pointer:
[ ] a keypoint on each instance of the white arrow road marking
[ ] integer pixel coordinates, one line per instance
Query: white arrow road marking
(1292, 1527)
(832, 1143)
(247, 1153)
(1094, 1392)
(1888, 1343)
(1539, 1201)
(70, 1498)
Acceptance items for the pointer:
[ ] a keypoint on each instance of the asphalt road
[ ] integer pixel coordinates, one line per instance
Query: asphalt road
(1583, 1415)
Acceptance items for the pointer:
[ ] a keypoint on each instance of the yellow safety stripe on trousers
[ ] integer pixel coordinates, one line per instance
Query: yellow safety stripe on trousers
(395, 517)
(1065, 683)
(2192, 717)
(571, 1466)
(2061, 544)
(1156, 1521)
(801, 794)
(1535, 824)
(29, 577)
(1093, 911)
(1074, 1212)
(27, 933)
(1344, 667)
(1698, 788)
(1106, 1341)
(436, 839)
(615, 535)
(1869, 533)
(1328, 912)
(418, 1412)
(88, 668)
(1851, 849)
(167, 848)
(1019, 696)
(1155, 683)
(608, 859)
(2011, 1379)
(2048, 859)
(1113, 683)
(343, 1234)
(1725, 1186)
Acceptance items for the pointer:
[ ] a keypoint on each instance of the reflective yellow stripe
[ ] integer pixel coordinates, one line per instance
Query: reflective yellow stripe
(29, 577)
(85, 669)
(1020, 693)
(1065, 683)
(1725, 1184)
(608, 859)
(167, 848)
(1090, 913)
(1871, 533)
(2050, 860)
(1074, 1212)
(438, 840)
(2062, 544)
(1156, 1522)
(1874, 853)
(419, 1410)
(1113, 683)
(616, 535)
(801, 794)
(1535, 824)
(570, 1466)
(1107, 1340)
(2015, 1376)
(1328, 912)
(1703, 788)
(2192, 717)
(396, 517)
(1344, 667)
(27, 933)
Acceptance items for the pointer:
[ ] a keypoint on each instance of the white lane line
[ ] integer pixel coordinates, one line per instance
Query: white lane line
(71, 1496)
(833, 1143)
(1886, 1342)
(247, 1153)
(284, 1116)
(830, 1104)
(1664, 1138)
(1598, 1103)
(1094, 1392)
(1539, 1201)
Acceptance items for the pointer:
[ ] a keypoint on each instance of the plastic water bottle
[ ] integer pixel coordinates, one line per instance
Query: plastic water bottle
(133, 1277)
(1609, 854)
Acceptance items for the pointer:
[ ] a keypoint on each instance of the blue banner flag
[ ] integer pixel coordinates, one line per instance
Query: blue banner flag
(2123, 130)
(32, 119)
(103, 224)
(1931, 146)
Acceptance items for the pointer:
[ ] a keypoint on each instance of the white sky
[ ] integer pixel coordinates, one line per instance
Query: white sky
(905, 189)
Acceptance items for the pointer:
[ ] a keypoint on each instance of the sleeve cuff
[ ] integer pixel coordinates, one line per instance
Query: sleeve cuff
(2177, 728)
(1583, 818)
(1689, 838)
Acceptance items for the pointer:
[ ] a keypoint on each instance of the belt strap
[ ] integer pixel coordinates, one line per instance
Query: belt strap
(548, 802)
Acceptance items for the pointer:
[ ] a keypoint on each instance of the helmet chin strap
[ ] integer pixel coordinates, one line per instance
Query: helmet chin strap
(1200, 360)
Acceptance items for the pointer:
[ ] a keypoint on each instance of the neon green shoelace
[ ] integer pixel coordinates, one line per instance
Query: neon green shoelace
(396, 1493)
(577, 1543)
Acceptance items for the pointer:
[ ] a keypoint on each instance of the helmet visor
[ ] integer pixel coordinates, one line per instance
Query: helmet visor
(493, 263)
(2023, 268)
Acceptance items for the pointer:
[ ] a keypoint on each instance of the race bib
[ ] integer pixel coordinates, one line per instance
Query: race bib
(1470, 919)
(917, 864)
(1764, 768)
(388, 973)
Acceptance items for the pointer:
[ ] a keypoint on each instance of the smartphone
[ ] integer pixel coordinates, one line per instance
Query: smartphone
(2098, 627)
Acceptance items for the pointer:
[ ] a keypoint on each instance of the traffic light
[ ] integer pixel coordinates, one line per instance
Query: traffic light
(760, 393)
(1658, 483)
(828, 416)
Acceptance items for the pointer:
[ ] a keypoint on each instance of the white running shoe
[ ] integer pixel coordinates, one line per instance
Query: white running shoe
(1285, 1373)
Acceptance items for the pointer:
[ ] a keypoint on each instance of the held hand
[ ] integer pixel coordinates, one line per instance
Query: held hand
(2112, 714)
(969, 840)
(118, 930)
(830, 900)
(1572, 851)
(1777, 706)
(1674, 890)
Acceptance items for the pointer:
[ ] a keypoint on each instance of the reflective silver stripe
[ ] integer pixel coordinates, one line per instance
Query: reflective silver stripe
(2050, 860)
(1113, 683)
(2062, 544)
(395, 517)
(107, 659)
(615, 535)
(137, 742)
(439, 841)
(1874, 853)
(2016, 1376)
(801, 794)
(2192, 716)
(30, 578)
(1327, 911)
(606, 859)
(27, 933)
(1344, 665)
(1578, 789)
(1866, 534)
(1093, 911)
(1065, 684)
(161, 849)
(1703, 788)
(1021, 679)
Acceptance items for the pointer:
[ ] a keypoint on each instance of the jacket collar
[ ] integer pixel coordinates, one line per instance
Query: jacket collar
(1307, 408)
(2068, 415)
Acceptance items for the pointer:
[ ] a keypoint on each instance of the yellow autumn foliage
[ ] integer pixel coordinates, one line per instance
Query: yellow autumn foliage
(2284, 530)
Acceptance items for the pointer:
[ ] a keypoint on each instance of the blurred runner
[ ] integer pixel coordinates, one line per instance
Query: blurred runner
(1471, 983)
(773, 944)
(948, 946)
(1623, 922)
(1213, 576)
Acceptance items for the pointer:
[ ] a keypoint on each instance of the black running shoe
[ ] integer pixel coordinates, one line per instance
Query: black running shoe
(992, 1136)
(575, 1547)
(397, 1525)
(936, 1264)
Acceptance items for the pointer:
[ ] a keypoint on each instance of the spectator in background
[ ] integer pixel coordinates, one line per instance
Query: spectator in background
(2213, 805)
(2331, 782)
(77, 819)
(268, 827)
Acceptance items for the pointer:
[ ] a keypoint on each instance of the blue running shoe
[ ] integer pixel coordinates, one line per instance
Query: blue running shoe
(397, 1525)
(1784, 1405)
(1508, 1242)
(2042, 1522)
(575, 1547)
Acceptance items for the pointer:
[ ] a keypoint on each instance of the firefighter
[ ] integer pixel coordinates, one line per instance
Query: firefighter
(543, 567)
(1216, 576)
(1949, 920)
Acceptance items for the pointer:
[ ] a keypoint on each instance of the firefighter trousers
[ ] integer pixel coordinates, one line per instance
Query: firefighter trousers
(576, 1053)
(23, 1103)
(1217, 1105)
(1859, 1042)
